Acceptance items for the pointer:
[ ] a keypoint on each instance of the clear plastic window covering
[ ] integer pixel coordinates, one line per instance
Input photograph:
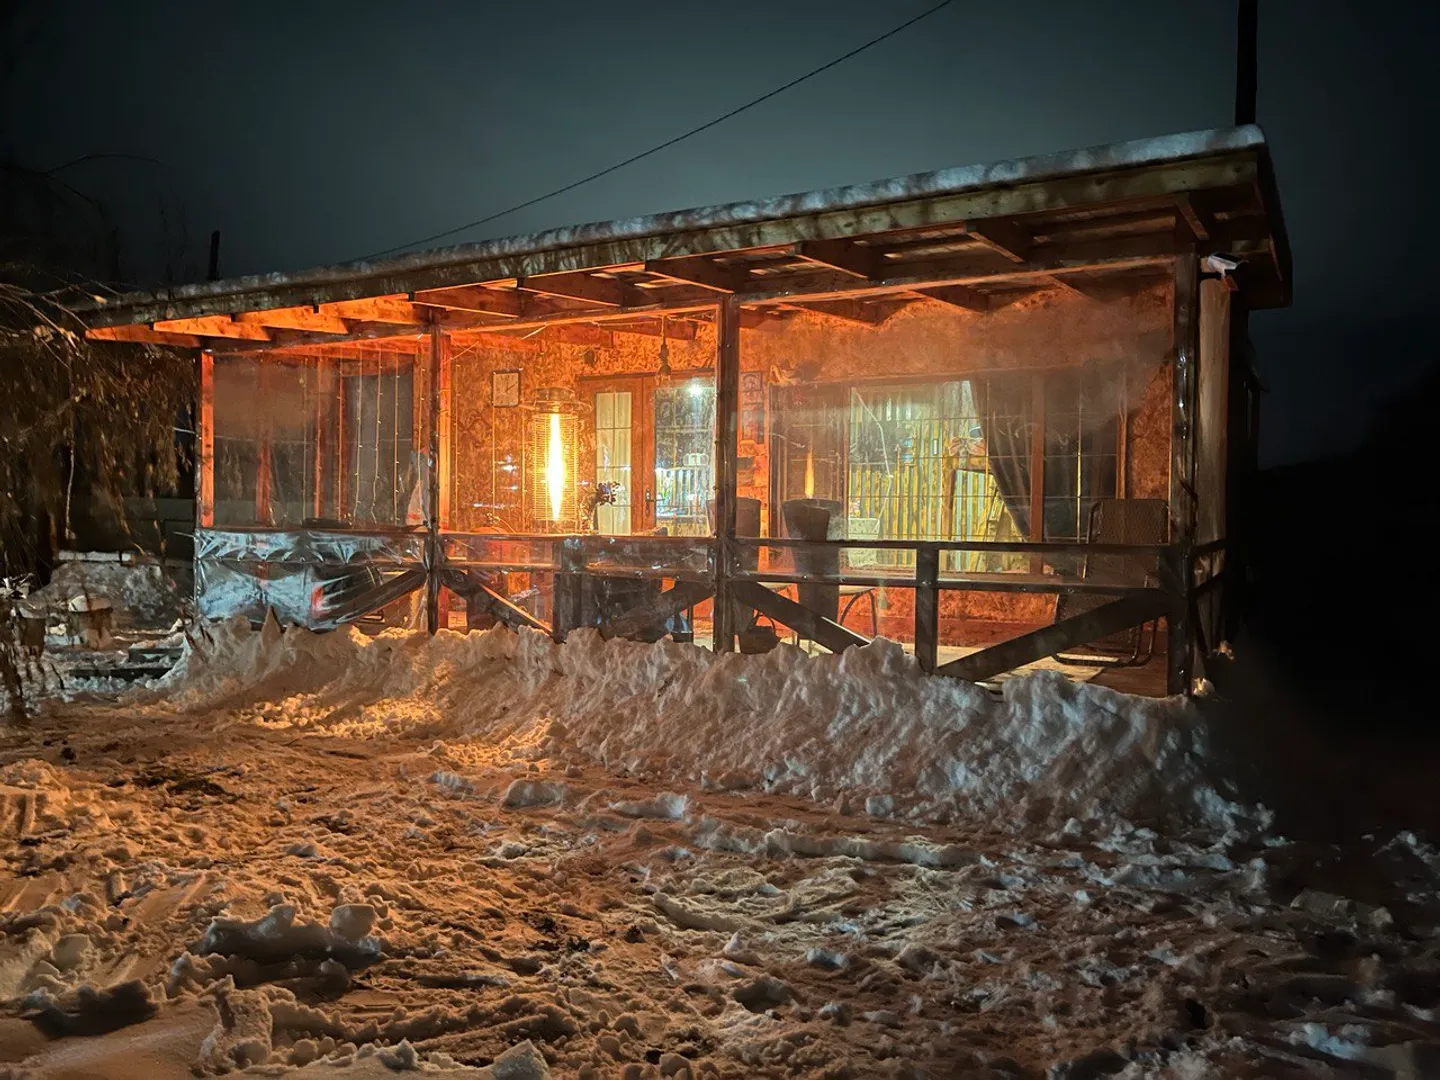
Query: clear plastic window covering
(316, 441)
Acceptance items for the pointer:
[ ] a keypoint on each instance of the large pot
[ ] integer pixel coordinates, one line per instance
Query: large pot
(816, 519)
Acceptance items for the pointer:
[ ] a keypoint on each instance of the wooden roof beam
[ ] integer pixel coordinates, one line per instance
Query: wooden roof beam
(392, 310)
(296, 318)
(1003, 237)
(1185, 205)
(508, 304)
(219, 326)
(606, 292)
(845, 256)
(143, 335)
(701, 272)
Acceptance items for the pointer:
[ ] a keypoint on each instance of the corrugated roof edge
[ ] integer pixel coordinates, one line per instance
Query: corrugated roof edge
(1136, 153)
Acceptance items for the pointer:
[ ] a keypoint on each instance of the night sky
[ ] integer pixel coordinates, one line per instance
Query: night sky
(320, 131)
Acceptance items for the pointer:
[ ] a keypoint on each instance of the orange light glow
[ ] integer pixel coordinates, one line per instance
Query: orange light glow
(810, 473)
(555, 468)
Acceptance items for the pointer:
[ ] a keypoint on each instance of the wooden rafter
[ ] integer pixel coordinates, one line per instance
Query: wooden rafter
(846, 256)
(220, 326)
(1003, 237)
(392, 310)
(296, 318)
(584, 287)
(1185, 205)
(701, 272)
(477, 298)
(143, 335)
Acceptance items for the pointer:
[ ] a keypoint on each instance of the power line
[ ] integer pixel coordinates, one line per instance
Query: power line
(669, 142)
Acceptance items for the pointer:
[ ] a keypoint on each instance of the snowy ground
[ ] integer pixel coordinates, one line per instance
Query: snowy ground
(489, 856)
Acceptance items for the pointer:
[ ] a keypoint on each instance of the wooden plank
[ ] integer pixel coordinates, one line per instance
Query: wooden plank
(1088, 626)
(727, 434)
(394, 310)
(961, 296)
(927, 608)
(296, 318)
(603, 291)
(143, 335)
(1185, 205)
(701, 272)
(476, 298)
(655, 612)
(576, 334)
(846, 256)
(814, 627)
(205, 444)
(220, 326)
(1002, 236)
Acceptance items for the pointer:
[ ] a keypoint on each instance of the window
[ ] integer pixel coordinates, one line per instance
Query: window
(684, 447)
(612, 458)
(953, 460)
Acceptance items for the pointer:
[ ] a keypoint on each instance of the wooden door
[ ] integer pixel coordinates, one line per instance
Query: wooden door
(621, 452)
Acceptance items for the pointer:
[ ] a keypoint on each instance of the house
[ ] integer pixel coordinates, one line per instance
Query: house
(995, 413)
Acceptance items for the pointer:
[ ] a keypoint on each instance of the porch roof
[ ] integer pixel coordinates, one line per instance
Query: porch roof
(970, 237)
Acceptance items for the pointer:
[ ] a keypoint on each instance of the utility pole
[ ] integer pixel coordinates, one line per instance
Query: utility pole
(1246, 32)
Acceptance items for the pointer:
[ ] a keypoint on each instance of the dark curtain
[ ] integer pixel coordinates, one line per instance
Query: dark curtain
(1005, 406)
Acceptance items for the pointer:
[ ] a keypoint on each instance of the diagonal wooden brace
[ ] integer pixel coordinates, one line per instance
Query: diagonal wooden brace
(1099, 622)
(817, 628)
(652, 614)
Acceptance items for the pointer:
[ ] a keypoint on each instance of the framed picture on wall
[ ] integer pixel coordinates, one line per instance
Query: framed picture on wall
(505, 388)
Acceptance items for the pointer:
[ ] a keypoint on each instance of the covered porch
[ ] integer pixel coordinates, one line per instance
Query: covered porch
(993, 414)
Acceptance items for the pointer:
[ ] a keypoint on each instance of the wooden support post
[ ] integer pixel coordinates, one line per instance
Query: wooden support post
(205, 445)
(1182, 466)
(815, 627)
(569, 588)
(927, 608)
(727, 418)
(434, 557)
(1109, 618)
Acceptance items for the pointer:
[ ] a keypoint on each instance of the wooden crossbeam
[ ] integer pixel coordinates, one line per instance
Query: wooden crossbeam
(961, 296)
(379, 309)
(296, 318)
(1111, 618)
(845, 256)
(1002, 237)
(1185, 205)
(220, 326)
(143, 335)
(701, 272)
(654, 613)
(604, 291)
(506, 303)
(810, 625)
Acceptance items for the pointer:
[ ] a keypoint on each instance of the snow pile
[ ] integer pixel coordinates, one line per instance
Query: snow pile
(143, 590)
(865, 725)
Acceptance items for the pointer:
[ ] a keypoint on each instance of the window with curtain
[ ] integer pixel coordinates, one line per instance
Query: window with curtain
(953, 460)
